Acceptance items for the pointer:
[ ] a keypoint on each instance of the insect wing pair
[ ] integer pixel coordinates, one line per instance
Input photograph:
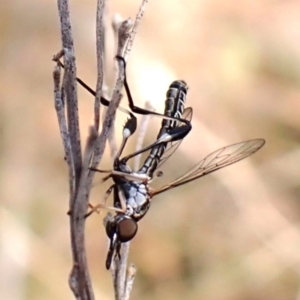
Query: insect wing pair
(214, 161)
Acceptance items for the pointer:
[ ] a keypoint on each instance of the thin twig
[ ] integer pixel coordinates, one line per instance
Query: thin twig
(142, 133)
(60, 111)
(129, 281)
(78, 219)
(107, 125)
(134, 27)
(70, 89)
(119, 271)
(70, 85)
(124, 32)
(100, 36)
(79, 280)
(114, 103)
(115, 24)
(112, 142)
(112, 136)
(79, 173)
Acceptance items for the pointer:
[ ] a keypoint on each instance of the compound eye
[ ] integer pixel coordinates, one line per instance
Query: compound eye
(127, 229)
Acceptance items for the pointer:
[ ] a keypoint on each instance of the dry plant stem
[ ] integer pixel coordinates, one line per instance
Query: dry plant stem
(80, 176)
(121, 271)
(114, 103)
(79, 280)
(115, 24)
(134, 28)
(60, 111)
(112, 136)
(123, 35)
(118, 271)
(80, 274)
(113, 143)
(118, 268)
(141, 135)
(107, 127)
(129, 281)
(70, 85)
(70, 90)
(100, 37)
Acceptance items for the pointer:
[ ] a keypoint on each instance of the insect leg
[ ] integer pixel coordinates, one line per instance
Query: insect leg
(174, 134)
(103, 205)
(135, 109)
(101, 171)
(140, 110)
(103, 100)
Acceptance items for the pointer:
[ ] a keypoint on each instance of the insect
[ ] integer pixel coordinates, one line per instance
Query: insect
(133, 195)
(131, 190)
(175, 126)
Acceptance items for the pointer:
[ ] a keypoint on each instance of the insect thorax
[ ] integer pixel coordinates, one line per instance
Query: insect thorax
(137, 198)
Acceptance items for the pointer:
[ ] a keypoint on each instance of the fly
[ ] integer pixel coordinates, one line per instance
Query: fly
(130, 189)
(132, 192)
(135, 195)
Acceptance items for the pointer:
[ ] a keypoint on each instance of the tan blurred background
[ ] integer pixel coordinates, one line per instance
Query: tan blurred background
(228, 236)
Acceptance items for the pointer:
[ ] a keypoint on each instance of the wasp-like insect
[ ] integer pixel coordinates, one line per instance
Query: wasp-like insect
(131, 190)
(132, 193)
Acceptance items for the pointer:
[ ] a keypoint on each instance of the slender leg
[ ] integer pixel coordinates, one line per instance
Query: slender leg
(132, 176)
(103, 205)
(129, 176)
(100, 171)
(135, 109)
(104, 178)
(140, 110)
(175, 134)
(106, 195)
(104, 101)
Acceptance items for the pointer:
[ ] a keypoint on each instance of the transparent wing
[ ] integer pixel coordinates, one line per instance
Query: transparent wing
(218, 159)
(172, 146)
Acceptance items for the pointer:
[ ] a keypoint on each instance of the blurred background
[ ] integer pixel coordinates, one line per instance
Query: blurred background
(231, 235)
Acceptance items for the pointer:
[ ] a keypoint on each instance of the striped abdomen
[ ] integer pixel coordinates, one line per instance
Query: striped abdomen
(174, 107)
